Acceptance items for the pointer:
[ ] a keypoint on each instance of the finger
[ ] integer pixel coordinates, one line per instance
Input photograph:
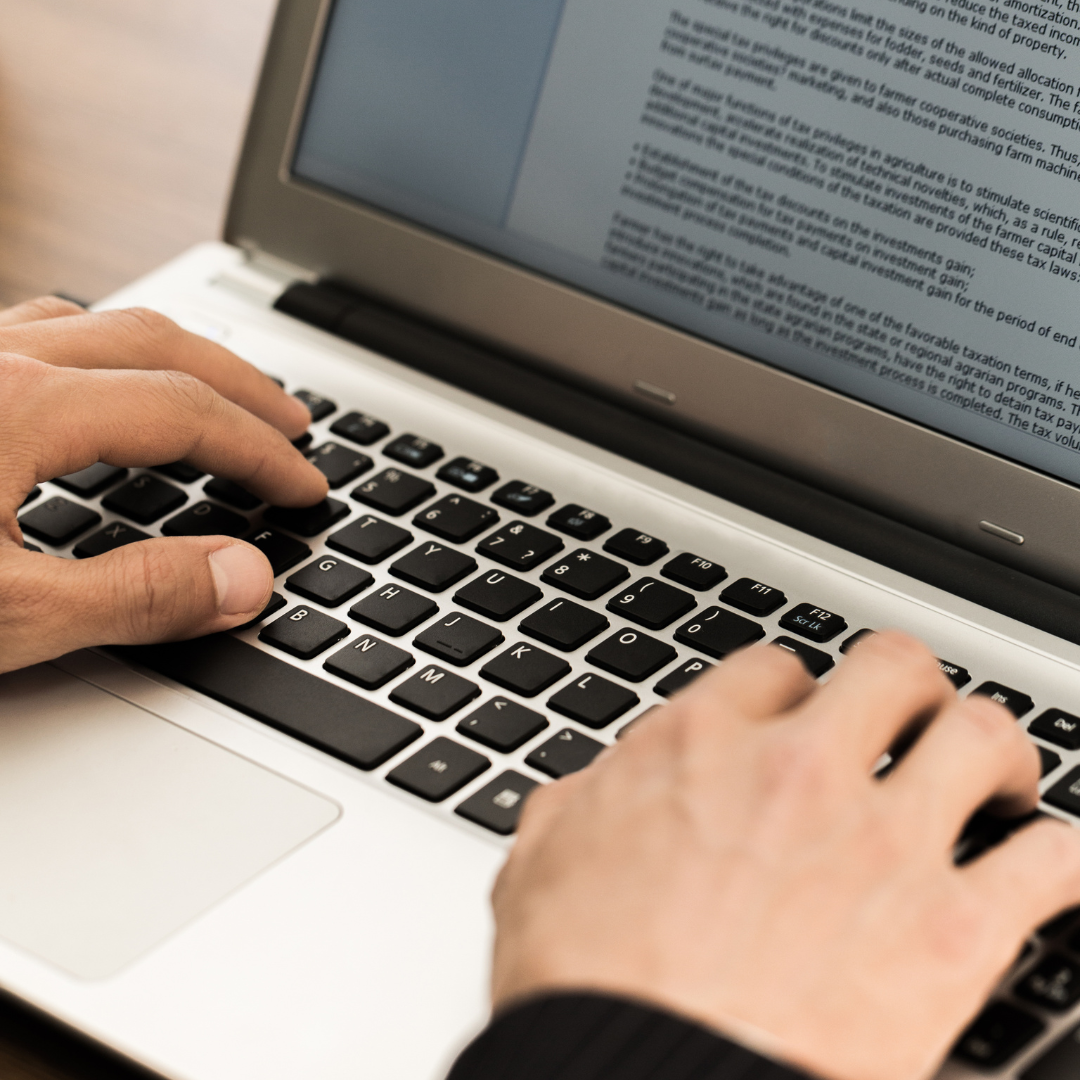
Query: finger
(155, 590)
(971, 755)
(884, 687)
(139, 338)
(70, 419)
(44, 307)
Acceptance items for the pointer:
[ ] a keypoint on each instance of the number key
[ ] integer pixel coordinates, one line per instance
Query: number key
(521, 546)
(456, 518)
(652, 603)
(585, 574)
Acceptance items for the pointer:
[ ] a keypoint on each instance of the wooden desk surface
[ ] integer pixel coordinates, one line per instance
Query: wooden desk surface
(120, 122)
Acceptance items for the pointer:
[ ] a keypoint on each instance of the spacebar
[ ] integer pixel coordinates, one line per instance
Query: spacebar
(288, 698)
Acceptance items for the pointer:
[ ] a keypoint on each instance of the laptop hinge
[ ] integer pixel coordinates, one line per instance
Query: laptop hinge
(262, 278)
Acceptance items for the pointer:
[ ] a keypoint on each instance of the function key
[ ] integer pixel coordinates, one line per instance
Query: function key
(502, 724)
(1054, 983)
(636, 547)
(1065, 794)
(1059, 727)
(435, 693)
(35, 493)
(585, 574)
(108, 539)
(206, 519)
(523, 498)
(144, 499)
(360, 429)
(393, 610)
(369, 539)
(957, 675)
(233, 494)
(329, 581)
(458, 639)
(681, 677)
(394, 492)
(579, 523)
(339, 464)
(694, 572)
(593, 701)
(498, 595)
(631, 655)
(525, 669)
(999, 1033)
(414, 451)
(652, 603)
(468, 475)
(58, 521)
(814, 660)
(433, 567)
(718, 632)
(456, 518)
(1017, 703)
(753, 597)
(564, 624)
(520, 546)
(851, 642)
(438, 770)
(308, 520)
(92, 481)
(319, 407)
(497, 806)
(180, 471)
(369, 662)
(304, 633)
(565, 753)
(814, 623)
(283, 551)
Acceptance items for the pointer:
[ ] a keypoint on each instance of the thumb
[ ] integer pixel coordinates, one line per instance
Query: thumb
(156, 590)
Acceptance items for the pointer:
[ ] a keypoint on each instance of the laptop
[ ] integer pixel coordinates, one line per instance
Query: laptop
(631, 333)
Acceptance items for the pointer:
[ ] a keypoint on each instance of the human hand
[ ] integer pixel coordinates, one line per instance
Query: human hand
(132, 388)
(734, 860)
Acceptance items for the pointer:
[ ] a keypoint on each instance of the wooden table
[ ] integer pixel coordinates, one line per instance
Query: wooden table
(120, 122)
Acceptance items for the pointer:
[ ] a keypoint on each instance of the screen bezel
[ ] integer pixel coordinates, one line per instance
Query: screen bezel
(880, 460)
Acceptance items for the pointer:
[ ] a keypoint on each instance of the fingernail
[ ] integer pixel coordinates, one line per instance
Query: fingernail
(241, 577)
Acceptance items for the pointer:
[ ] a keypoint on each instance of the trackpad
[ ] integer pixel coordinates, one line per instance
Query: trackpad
(118, 827)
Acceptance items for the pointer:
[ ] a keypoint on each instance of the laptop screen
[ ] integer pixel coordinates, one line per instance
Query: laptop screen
(882, 197)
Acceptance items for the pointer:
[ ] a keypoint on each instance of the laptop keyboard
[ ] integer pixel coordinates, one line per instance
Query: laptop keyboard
(466, 597)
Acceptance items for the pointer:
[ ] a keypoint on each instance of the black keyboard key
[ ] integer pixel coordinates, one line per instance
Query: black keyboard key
(585, 574)
(369, 539)
(1059, 727)
(414, 451)
(31, 496)
(144, 499)
(593, 701)
(206, 519)
(502, 724)
(283, 551)
(471, 476)
(1065, 794)
(631, 655)
(1048, 761)
(523, 498)
(319, 407)
(813, 623)
(58, 521)
(1061, 922)
(232, 494)
(564, 624)
(682, 676)
(636, 547)
(394, 610)
(302, 442)
(433, 566)
(520, 546)
(308, 520)
(180, 471)
(565, 753)
(304, 633)
(957, 675)
(718, 632)
(525, 669)
(435, 693)
(92, 481)
(27, 546)
(369, 662)
(814, 660)
(113, 536)
(1060, 1062)
(458, 639)
(394, 492)
(498, 596)
(339, 464)
(651, 603)
(456, 518)
(694, 572)
(997, 1035)
(497, 806)
(753, 597)
(438, 770)
(579, 523)
(851, 642)
(273, 606)
(1054, 983)
(1016, 702)
(329, 581)
(360, 429)
(310, 708)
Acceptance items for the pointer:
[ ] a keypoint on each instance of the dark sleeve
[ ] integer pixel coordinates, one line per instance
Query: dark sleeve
(595, 1037)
